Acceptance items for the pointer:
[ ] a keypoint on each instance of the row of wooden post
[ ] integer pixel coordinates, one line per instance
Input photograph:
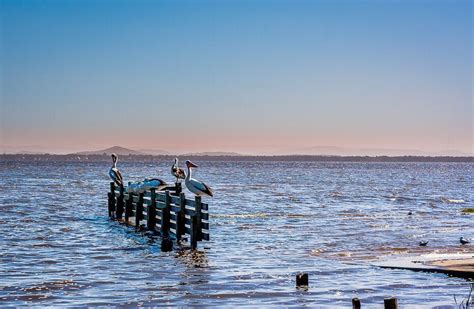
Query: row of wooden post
(302, 282)
(116, 205)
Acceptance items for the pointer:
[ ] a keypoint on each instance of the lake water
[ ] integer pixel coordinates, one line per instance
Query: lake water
(269, 220)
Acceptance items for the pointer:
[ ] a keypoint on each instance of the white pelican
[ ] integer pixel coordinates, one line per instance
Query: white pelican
(176, 171)
(195, 186)
(145, 185)
(114, 172)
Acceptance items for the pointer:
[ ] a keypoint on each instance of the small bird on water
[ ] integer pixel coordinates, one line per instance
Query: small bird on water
(176, 171)
(424, 243)
(464, 241)
(114, 172)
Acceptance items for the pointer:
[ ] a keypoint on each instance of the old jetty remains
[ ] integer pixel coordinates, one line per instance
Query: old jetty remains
(166, 213)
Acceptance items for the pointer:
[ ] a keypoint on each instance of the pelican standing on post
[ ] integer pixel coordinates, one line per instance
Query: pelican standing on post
(176, 171)
(195, 186)
(114, 172)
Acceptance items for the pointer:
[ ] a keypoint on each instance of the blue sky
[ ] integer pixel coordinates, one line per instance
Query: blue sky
(249, 76)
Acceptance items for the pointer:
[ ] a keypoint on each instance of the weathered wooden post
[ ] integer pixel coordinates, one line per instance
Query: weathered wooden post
(194, 231)
(139, 210)
(302, 280)
(355, 303)
(112, 198)
(151, 212)
(181, 217)
(197, 201)
(109, 200)
(120, 203)
(165, 215)
(128, 206)
(178, 188)
(390, 303)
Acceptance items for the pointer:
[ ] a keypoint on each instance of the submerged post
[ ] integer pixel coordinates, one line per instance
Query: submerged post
(165, 215)
(355, 303)
(128, 206)
(112, 198)
(197, 201)
(120, 204)
(194, 232)
(181, 217)
(302, 280)
(151, 212)
(390, 303)
(139, 210)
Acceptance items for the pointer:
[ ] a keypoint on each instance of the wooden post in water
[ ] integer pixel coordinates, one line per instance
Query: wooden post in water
(181, 217)
(302, 280)
(390, 303)
(128, 206)
(355, 303)
(194, 232)
(120, 204)
(151, 212)
(109, 200)
(112, 198)
(197, 201)
(165, 215)
(139, 210)
(178, 188)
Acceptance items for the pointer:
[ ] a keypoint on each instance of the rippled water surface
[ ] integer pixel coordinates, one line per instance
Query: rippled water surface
(269, 220)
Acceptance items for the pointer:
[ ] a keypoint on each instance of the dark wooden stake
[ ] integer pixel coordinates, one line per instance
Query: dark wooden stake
(139, 210)
(151, 212)
(197, 201)
(390, 303)
(128, 207)
(181, 217)
(112, 198)
(166, 244)
(355, 303)
(194, 231)
(109, 199)
(178, 188)
(302, 280)
(120, 204)
(165, 216)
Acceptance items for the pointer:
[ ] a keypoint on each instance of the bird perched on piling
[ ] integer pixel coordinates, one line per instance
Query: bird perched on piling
(176, 171)
(114, 172)
(464, 241)
(195, 186)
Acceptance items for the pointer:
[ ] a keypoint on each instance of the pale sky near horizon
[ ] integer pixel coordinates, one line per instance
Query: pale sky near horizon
(247, 76)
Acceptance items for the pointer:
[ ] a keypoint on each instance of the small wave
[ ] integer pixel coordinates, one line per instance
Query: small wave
(452, 201)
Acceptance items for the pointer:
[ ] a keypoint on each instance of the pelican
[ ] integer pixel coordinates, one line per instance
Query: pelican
(464, 241)
(195, 186)
(176, 171)
(145, 185)
(114, 172)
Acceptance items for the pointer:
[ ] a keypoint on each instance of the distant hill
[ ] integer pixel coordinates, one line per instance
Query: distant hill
(213, 154)
(115, 149)
(155, 152)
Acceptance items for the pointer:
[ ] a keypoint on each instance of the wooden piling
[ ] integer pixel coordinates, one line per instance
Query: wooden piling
(197, 201)
(302, 280)
(112, 198)
(355, 303)
(120, 204)
(128, 207)
(390, 303)
(181, 217)
(194, 231)
(165, 215)
(151, 212)
(139, 210)
(178, 188)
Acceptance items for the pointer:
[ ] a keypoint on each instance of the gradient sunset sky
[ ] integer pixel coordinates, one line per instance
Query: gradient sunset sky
(245, 76)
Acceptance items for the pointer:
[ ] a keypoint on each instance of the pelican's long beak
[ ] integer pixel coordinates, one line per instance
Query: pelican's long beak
(190, 164)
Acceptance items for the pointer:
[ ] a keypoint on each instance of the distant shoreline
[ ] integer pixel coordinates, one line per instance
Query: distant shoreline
(283, 158)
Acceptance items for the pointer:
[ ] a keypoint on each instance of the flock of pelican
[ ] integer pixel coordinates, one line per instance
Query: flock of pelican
(195, 186)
